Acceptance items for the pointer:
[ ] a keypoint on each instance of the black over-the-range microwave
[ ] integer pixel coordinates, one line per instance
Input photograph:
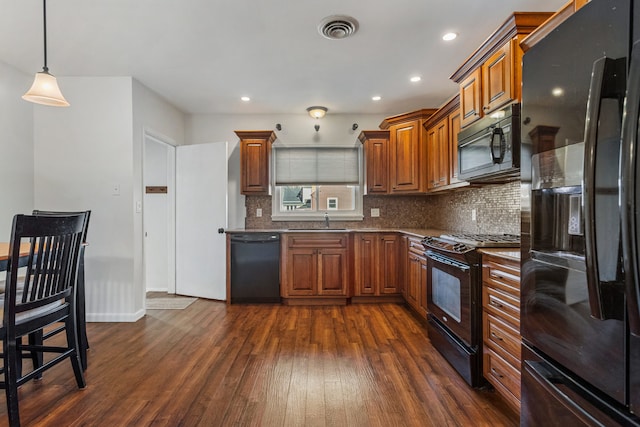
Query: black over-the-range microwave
(489, 150)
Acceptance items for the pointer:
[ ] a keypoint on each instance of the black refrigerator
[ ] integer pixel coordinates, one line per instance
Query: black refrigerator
(580, 224)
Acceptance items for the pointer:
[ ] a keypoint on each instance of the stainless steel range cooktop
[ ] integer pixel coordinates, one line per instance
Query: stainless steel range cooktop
(484, 240)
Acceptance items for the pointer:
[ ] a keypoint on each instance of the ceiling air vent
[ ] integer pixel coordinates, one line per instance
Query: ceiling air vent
(338, 27)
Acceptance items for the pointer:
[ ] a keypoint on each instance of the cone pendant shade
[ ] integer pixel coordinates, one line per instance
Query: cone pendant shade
(45, 91)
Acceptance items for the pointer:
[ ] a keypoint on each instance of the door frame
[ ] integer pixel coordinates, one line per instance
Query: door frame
(170, 146)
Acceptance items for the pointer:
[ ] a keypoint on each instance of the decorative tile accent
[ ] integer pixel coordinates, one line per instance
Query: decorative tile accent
(497, 211)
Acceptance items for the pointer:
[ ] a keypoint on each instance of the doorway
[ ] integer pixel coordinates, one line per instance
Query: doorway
(159, 214)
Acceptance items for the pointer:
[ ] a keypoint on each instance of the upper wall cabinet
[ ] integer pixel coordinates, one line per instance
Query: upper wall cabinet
(407, 151)
(442, 147)
(376, 160)
(255, 153)
(491, 77)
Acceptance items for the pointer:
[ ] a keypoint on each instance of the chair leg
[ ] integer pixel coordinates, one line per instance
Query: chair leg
(72, 340)
(37, 358)
(11, 381)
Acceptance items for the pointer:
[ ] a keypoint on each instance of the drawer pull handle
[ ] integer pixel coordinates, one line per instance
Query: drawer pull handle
(496, 373)
(496, 336)
(496, 304)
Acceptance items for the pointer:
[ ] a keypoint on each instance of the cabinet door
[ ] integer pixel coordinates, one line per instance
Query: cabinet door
(377, 165)
(365, 261)
(470, 98)
(413, 281)
(454, 130)
(388, 264)
(332, 272)
(422, 287)
(438, 154)
(497, 79)
(405, 157)
(302, 272)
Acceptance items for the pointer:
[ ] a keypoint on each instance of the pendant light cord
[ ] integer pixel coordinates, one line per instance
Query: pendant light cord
(44, 20)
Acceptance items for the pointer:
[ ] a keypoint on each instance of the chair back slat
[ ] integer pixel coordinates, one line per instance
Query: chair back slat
(52, 263)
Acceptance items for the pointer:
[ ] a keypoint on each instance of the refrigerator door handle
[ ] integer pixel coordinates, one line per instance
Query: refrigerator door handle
(628, 159)
(590, 138)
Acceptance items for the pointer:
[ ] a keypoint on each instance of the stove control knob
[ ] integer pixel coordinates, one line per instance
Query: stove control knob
(460, 247)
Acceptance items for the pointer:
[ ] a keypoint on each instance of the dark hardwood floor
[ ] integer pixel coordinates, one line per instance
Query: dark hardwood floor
(262, 365)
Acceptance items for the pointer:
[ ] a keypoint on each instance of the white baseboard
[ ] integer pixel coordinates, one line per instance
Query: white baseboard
(157, 290)
(115, 317)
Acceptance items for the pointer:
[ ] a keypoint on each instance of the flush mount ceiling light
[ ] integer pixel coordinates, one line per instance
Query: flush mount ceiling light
(245, 99)
(317, 112)
(338, 27)
(44, 89)
(376, 98)
(415, 79)
(449, 36)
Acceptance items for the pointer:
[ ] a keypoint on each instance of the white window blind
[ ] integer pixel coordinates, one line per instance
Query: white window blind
(317, 165)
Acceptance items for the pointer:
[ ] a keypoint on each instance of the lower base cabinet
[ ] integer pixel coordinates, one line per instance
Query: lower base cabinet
(377, 270)
(315, 265)
(501, 325)
(416, 277)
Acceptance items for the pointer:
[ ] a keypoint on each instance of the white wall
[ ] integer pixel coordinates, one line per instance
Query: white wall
(81, 153)
(296, 129)
(16, 147)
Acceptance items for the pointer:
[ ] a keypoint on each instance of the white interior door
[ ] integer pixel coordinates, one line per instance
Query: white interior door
(201, 209)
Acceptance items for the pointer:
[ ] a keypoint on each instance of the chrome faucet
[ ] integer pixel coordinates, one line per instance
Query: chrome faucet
(326, 219)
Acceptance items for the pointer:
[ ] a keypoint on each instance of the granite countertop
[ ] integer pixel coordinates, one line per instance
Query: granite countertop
(417, 232)
(506, 253)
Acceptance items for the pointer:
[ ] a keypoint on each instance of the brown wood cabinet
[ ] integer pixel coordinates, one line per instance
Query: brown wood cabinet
(376, 160)
(416, 280)
(315, 265)
(377, 266)
(442, 147)
(501, 324)
(255, 154)
(491, 77)
(407, 152)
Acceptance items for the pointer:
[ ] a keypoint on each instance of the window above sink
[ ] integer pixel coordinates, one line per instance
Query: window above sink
(310, 182)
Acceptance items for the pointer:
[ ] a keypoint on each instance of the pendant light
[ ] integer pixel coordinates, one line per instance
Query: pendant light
(44, 89)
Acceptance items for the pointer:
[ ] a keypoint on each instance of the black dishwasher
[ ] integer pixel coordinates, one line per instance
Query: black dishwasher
(255, 268)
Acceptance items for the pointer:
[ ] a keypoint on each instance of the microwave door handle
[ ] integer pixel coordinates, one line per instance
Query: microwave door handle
(628, 160)
(497, 132)
(590, 137)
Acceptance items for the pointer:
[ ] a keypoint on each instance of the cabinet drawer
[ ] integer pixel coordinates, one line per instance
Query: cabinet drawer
(502, 337)
(504, 276)
(504, 377)
(501, 305)
(317, 240)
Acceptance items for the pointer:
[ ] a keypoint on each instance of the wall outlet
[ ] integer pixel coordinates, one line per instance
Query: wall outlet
(375, 212)
(474, 215)
(115, 189)
(258, 213)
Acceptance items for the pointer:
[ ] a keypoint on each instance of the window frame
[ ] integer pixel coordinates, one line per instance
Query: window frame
(352, 215)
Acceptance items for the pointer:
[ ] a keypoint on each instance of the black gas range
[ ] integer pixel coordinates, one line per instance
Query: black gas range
(454, 297)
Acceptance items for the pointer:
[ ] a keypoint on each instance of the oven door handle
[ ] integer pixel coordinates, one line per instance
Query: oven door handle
(450, 262)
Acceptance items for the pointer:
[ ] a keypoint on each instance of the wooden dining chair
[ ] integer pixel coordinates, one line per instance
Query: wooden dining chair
(81, 319)
(43, 296)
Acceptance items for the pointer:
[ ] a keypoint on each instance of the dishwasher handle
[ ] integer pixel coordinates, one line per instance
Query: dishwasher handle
(255, 238)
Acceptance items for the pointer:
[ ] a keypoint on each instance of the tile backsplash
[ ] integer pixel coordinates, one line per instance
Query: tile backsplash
(497, 211)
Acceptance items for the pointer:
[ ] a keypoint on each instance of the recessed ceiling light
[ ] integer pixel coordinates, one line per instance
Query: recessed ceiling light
(376, 98)
(557, 91)
(449, 36)
(415, 79)
(245, 99)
